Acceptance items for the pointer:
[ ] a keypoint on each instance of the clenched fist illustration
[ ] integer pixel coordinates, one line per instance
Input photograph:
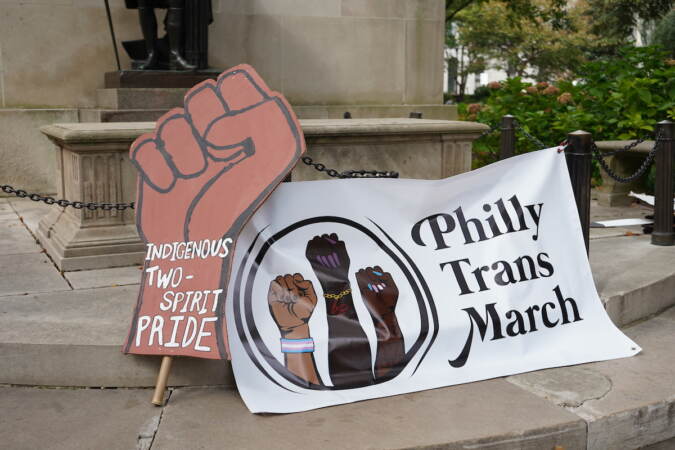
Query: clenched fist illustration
(292, 299)
(378, 290)
(202, 173)
(328, 257)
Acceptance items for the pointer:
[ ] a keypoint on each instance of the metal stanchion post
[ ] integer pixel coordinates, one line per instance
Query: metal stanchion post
(578, 155)
(507, 139)
(663, 190)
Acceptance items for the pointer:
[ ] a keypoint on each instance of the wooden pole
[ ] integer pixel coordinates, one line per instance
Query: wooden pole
(162, 378)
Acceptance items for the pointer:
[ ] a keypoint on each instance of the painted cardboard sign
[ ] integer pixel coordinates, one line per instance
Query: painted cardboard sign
(202, 173)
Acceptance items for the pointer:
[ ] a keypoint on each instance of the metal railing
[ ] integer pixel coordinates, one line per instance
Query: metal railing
(580, 150)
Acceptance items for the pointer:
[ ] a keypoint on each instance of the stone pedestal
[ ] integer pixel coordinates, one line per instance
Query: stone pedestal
(613, 193)
(93, 166)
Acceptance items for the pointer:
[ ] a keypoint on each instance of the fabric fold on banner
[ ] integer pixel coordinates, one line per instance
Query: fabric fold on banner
(349, 290)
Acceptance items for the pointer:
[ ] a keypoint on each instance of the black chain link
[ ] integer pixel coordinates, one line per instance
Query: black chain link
(627, 148)
(530, 137)
(122, 206)
(600, 158)
(349, 173)
(63, 203)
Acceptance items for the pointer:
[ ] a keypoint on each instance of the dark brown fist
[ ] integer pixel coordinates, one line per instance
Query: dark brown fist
(378, 290)
(329, 258)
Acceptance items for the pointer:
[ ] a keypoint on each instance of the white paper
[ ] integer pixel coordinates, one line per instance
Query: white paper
(376, 220)
(620, 223)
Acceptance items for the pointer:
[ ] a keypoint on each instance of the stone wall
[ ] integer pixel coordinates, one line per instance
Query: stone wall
(53, 53)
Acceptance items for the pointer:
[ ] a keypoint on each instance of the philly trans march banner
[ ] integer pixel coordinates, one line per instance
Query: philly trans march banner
(349, 290)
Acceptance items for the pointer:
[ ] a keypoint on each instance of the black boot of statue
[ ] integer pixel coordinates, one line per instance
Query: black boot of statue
(174, 29)
(149, 28)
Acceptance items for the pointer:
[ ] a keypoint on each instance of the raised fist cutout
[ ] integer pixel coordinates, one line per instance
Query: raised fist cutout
(202, 173)
(328, 257)
(291, 299)
(208, 166)
(378, 290)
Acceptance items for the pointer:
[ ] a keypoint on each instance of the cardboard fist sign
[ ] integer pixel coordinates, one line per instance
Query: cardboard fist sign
(202, 173)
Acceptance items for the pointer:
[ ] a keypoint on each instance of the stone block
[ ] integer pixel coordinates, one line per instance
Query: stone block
(67, 419)
(634, 279)
(140, 98)
(434, 112)
(366, 63)
(28, 160)
(628, 403)
(424, 49)
(54, 54)
(611, 192)
(118, 276)
(639, 410)
(29, 273)
(453, 418)
(14, 238)
(305, 8)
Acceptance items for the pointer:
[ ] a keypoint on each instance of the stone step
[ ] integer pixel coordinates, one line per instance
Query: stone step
(75, 337)
(634, 278)
(619, 404)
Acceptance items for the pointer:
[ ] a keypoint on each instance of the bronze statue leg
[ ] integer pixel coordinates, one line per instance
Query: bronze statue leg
(174, 29)
(146, 14)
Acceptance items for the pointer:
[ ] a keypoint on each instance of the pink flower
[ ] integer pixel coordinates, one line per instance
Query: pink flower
(531, 90)
(565, 98)
(473, 108)
(542, 85)
(494, 85)
(551, 90)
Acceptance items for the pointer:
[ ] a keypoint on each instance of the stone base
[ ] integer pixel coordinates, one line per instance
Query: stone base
(157, 78)
(73, 247)
(615, 198)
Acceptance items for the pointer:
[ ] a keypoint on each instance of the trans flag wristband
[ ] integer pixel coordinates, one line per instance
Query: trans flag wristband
(297, 345)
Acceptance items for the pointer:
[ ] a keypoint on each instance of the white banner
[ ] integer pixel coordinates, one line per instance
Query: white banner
(355, 289)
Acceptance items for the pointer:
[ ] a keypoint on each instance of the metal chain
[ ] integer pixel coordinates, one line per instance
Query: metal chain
(122, 206)
(61, 202)
(489, 131)
(349, 173)
(532, 139)
(641, 170)
(624, 149)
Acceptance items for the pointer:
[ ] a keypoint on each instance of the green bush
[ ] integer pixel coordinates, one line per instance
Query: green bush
(613, 98)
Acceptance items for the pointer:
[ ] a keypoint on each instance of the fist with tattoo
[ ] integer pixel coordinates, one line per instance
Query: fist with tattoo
(291, 300)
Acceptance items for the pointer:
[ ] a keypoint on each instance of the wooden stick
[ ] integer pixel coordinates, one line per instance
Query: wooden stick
(162, 378)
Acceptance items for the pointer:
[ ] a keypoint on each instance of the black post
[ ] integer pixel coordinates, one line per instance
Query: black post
(507, 140)
(663, 190)
(578, 155)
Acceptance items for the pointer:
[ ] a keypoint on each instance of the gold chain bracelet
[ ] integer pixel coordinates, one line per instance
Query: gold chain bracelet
(338, 296)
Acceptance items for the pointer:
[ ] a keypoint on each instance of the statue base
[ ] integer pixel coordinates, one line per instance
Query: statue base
(158, 78)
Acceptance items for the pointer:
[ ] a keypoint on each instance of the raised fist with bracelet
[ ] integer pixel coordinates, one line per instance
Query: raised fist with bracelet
(349, 356)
